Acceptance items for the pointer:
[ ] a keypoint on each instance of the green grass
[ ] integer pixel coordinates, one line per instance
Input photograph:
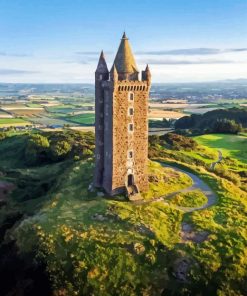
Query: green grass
(104, 246)
(84, 119)
(163, 181)
(111, 256)
(189, 199)
(234, 146)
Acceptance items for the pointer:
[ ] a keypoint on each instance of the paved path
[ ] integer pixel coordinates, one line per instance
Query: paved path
(220, 157)
(197, 184)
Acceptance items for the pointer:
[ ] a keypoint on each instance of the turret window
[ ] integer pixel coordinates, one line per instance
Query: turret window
(131, 127)
(131, 96)
(100, 77)
(131, 111)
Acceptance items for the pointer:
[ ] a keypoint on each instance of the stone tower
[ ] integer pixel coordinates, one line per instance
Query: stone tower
(121, 124)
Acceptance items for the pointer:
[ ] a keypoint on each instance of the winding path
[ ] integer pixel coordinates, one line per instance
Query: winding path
(220, 157)
(197, 184)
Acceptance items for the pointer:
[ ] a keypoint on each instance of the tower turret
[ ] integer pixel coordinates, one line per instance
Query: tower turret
(102, 72)
(114, 73)
(101, 75)
(146, 75)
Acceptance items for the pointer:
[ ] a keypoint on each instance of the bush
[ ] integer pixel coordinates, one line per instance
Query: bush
(2, 136)
(179, 142)
(36, 149)
(59, 150)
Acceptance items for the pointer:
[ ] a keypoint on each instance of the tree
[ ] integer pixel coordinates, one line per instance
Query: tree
(36, 149)
(60, 149)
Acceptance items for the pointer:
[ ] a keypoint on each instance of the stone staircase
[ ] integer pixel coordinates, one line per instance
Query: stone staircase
(133, 193)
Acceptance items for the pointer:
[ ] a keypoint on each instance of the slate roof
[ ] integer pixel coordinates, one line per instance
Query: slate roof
(124, 60)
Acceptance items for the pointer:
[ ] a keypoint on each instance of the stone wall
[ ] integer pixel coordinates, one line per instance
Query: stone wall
(125, 140)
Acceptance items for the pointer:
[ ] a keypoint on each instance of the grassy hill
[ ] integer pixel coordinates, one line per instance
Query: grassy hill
(234, 146)
(59, 238)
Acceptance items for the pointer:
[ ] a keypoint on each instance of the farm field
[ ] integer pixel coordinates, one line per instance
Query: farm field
(49, 120)
(160, 114)
(6, 122)
(234, 146)
(86, 118)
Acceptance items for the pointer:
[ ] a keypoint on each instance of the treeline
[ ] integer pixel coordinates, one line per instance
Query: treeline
(170, 141)
(50, 147)
(216, 121)
(165, 123)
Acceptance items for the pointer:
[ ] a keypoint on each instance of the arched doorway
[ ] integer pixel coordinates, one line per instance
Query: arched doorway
(130, 180)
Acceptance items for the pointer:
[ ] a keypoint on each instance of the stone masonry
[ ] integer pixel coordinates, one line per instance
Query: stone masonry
(121, 124)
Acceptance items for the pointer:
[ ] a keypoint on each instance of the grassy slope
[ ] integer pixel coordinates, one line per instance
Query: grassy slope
(116, 247)
(234, 146)
(190, 199)
(120, 253)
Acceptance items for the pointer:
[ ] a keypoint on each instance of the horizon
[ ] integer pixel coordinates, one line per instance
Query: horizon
(183, 41)
(153, 83)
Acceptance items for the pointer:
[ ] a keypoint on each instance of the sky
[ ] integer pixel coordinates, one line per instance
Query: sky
(59, 41)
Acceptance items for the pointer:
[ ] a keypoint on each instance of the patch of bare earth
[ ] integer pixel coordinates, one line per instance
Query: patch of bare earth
(181, 269)
(189, 234)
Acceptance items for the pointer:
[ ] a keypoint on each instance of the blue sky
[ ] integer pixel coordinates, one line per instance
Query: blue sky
(182, 40)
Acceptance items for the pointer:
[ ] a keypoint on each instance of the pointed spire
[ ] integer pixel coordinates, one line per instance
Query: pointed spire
(124, 36)
(102, 66)
(124, 60)
(146, 75)
(114, 73)
(147, 68)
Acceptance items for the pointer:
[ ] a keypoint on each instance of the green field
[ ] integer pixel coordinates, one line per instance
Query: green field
(234, 146)
(12, 121)
(84, 119)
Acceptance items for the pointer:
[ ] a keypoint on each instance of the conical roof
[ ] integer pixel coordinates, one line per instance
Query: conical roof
(124, 60)
(102, 66)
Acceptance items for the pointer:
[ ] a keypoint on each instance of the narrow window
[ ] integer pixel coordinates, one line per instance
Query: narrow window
(130, 154)
(100, 77)
(131, 96)
(131, 111)
(131, 127)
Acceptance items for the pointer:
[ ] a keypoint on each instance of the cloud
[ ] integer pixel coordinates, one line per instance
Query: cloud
(184, 62)
(192, 51)
(8, 54)
(15, 71)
